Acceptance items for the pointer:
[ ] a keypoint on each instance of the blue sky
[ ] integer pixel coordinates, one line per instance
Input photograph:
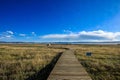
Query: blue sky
(59, 20)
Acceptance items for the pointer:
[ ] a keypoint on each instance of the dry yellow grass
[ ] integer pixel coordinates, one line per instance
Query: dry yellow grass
(104, 64)
(19, 61)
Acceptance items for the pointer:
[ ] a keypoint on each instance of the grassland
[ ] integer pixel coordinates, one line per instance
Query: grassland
(104, 64)
(20, 61)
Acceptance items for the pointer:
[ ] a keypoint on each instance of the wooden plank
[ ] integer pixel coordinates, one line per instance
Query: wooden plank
(68, 68)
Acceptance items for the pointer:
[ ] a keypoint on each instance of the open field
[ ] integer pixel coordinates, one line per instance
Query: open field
(20, 61)
(104, 64)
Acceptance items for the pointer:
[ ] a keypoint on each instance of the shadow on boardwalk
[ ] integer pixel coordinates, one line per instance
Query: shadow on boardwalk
(44, 73)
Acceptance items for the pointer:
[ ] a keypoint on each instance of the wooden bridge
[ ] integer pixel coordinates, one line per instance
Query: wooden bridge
(68, 68)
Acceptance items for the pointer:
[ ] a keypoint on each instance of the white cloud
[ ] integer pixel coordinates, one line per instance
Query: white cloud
(33, 33)
(23, 35)
(67, 31)
(6, 35)
(98, 35)
(10, 32)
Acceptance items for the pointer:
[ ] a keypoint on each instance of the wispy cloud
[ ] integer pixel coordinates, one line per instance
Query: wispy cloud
(10, 32)
(33, 33)
(6, 34)
(67, 31)
(98, 35)
(22, 35)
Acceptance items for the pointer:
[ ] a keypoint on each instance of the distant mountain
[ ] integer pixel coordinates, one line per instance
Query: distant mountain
(2, 42)
(109, 42)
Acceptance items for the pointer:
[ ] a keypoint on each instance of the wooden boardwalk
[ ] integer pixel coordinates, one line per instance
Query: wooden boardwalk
(68, 68)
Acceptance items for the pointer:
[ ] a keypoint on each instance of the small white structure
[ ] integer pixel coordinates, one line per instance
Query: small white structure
(48, 45)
